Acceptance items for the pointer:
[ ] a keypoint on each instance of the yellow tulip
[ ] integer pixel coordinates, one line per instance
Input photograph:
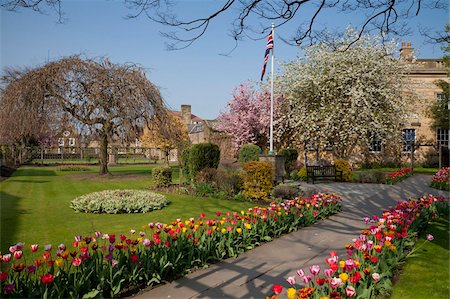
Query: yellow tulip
(291, 293)
(59, 262)
(342, 264)
(223, 230)
(343, 277)
(184, 229)
(248, 226)
(239, 230)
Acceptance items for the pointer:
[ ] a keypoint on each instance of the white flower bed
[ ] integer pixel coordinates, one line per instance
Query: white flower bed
(119, 202)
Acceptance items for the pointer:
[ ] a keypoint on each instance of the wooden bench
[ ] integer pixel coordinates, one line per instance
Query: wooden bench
(316, 172)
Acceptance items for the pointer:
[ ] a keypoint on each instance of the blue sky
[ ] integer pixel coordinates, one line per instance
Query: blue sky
(198, 75)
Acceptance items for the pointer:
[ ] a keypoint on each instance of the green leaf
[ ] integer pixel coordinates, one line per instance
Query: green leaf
(91, 294)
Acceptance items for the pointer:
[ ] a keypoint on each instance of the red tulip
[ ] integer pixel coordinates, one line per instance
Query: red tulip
(277, 289)
(3, 276)
(47, 278)
(76, 261)
(34, 247)
(18, 254)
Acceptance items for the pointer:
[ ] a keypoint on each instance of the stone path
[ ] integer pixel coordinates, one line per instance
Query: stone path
(252, 274)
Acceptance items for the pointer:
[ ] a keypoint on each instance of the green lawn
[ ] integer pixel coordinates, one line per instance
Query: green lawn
(34, 204)
(427, 275)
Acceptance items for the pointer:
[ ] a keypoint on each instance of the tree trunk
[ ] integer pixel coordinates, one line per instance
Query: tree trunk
(104, 154)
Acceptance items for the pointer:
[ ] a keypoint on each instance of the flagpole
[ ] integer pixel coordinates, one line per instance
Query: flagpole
(271, 94)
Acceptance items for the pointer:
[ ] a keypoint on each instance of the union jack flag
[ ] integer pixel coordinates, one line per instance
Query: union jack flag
(266, 56)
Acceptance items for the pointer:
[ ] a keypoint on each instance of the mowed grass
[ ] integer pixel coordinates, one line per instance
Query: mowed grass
(427, 275)
(35, 204)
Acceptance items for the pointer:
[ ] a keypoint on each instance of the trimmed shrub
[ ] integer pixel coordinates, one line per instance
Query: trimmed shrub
(73, 168)
(229, 181)
(258, 178)
(249, 152)
(162, 176)
(119, 202)
(290, 157)
(284, 191)
(344, 166)
(185, 161)
(203, 155)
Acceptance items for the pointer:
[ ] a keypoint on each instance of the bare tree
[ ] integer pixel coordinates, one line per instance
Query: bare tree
(388, 17)
(111, 101)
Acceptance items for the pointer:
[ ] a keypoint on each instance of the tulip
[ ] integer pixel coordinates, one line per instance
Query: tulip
(48, 247)
(300, 272)
(277, 289)
(328, 272)
(12, 249)
(376, 276)
(350, 291)
(291, 293)
(291, 280)
(9, 288)
(430, 237)
(34, 247)
(47, 278)
(314, 269)
(62, 247)
(343, 277)
(76, 261)
(3, 276)
(114, 263)
(18, 254)
(335, 282)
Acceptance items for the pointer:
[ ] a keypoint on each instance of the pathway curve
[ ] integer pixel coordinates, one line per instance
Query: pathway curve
(253, 273)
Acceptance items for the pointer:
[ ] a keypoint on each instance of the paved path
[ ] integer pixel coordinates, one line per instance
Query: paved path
(252, 274)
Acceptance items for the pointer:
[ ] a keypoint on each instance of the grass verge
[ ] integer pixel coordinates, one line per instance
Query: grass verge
(426, 275)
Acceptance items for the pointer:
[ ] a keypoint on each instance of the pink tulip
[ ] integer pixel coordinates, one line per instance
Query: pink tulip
(306, 278)
(350, 291)
(132, 231)
(12, 249)
(6, 258)
(76, 261)
(349, 264)
(314, 269)
(48, 247)
(114, 263)
(62, 247)
(300, 272)
(328, 272)
(376, 276)
(78, 238)
(18, 254)
(291, 280)
(146, 242)
(34, 247)
(335, 282)
(430, 237)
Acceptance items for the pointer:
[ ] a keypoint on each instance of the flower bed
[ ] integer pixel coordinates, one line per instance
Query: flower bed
(441, 179)
(119, 201)
(398, 176)
(103, 265)
(367, 270)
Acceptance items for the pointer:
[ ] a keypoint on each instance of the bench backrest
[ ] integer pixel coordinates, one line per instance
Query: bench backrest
(320, 170)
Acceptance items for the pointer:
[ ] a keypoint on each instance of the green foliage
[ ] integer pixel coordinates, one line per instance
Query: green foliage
(302, 175)
(185, 163)
(258, 179)
(74, 168)
(203, 155)
(439, 109)
(162, 176)
(344, 166)
(249, 152)
(119, 201)
(290, 157)
(229, 181)
(377, 177)
(284, 191)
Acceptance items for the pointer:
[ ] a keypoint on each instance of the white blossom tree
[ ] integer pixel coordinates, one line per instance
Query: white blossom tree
(341, 97)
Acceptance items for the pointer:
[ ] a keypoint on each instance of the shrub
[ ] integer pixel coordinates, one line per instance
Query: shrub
(258, 178)
(119, 202)
(206, 175)
(229, 181)
(290, 157)
(249, 152)
(185, 161)
(344, 166)
(162, 176)
(376, 177)
(284, 191)
(203, 155)
(294, 175)
(204, 189)
(441, 179)
(302, 175)
(73, 168)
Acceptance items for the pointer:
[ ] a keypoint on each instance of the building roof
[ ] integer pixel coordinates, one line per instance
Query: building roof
(193, 116)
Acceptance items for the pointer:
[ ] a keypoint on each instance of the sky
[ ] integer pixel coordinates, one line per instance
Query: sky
(198, 75)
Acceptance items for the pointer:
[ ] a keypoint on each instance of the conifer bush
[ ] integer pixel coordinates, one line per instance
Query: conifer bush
(344, 166)
(258, 180)
(203, 155)
(249, 152)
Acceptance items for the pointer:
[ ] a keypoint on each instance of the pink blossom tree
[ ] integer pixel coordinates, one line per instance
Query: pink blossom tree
(247, 119)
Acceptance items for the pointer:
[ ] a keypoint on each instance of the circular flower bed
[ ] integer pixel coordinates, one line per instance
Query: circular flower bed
(119, 201)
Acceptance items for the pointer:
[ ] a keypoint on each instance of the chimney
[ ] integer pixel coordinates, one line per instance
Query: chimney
(186, 114)
(406, 52)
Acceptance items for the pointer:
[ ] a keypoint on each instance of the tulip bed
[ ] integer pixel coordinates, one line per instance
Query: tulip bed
(371, 259)
(398, 176)
(105, 265)
(441, 179)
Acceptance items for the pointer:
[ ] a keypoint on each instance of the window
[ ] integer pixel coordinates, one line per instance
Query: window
(71, 141)
(374, 143)
(409, 136)
(442, 137)
(60, 141)
(440, 96)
